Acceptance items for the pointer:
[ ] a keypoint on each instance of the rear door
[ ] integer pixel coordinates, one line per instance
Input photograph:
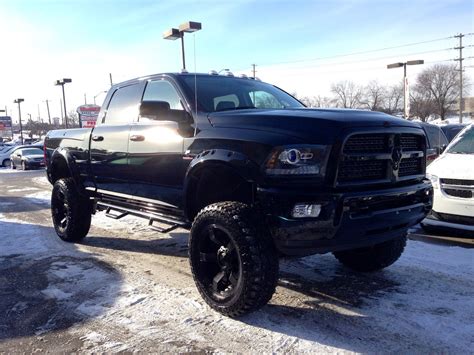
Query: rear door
(109, 140)
(156, 148)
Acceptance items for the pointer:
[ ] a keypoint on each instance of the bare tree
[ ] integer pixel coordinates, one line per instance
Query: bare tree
(373, 96)
(393, 102)
(441, 82)
(316, 101)
(348, 94)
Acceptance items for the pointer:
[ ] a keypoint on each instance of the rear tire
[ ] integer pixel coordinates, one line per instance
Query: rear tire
(12, 164)
(71, 212)
(373, 258)
(233, 260)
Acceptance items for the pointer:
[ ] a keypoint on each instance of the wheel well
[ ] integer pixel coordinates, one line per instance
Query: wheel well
(59, 169)
(216, 184)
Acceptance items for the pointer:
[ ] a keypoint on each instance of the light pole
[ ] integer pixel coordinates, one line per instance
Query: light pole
(98, 94)
(406, 108)
(47, 107)
(61, 83)
(174, 33)
(19, 101)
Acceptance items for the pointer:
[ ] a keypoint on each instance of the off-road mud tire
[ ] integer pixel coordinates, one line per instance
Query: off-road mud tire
(256, 253)
(73, 209)
(373, 258)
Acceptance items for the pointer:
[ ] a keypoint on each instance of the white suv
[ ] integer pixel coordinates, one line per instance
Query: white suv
(452, 176)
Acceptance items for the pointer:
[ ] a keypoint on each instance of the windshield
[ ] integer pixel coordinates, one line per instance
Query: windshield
(463, 143)
(33, 151)
(219, 93)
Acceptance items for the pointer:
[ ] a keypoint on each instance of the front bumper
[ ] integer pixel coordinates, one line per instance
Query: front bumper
(348, 220)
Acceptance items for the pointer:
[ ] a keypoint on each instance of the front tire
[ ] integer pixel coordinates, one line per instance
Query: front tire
(233, 260)
(6, 163)
(373, 258)
(71, 212)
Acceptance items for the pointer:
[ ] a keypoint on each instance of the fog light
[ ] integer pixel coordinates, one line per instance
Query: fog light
(305, 211)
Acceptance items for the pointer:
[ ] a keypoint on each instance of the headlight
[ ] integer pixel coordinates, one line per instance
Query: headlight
(434, 180)
(298, 160)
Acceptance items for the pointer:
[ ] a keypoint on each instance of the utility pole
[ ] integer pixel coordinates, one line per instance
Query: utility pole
(253, 70)
(460, 59)
(39, 114)
(47, 107)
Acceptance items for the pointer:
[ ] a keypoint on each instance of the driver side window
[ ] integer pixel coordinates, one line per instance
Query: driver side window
(161, 90)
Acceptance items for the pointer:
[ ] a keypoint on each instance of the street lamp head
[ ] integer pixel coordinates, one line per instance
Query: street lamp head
(395, 65)
(415, 62)
(62, 81)
(172, 34)
(190, 26)
(17, 101)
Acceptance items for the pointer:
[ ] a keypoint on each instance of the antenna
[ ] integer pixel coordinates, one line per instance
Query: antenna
(195, 83)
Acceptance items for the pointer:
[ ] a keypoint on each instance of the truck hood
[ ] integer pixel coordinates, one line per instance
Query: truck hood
(453, 166)
(305, 122)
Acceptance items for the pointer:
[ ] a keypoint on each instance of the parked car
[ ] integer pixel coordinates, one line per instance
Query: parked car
(27, 158)
(5, 155)
(251, 171)
(451, 130)
(437, 141)
(452, 176)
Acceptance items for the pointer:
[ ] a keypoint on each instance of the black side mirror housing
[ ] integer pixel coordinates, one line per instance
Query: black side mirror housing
(154, 109)
(161, 111)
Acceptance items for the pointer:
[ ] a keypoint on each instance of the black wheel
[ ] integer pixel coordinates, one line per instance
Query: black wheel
(373, 258)
(233, 259)
(6, 163)
(23, 165)
(70, 211)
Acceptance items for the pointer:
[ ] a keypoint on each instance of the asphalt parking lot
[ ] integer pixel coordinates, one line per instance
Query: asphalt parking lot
(125, 288)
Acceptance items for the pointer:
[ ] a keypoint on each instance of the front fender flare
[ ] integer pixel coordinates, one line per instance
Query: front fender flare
(235, 162)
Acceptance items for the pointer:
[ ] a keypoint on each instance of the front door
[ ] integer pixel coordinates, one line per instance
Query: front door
(156, 149)
(109, 141)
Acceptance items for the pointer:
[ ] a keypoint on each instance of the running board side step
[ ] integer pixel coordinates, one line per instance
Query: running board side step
(121, 212)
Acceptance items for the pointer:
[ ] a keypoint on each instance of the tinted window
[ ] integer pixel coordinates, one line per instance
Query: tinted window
(162, 90)
(436, 136)
(242, 91)
(123, 107)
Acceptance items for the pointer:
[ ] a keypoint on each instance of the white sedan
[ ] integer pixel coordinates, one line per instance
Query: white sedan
(452, 176)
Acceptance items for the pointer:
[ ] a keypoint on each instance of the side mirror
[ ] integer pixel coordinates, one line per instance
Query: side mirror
(161, 111)
(154, 109)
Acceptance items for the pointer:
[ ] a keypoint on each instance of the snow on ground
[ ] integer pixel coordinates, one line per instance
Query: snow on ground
(121, 298)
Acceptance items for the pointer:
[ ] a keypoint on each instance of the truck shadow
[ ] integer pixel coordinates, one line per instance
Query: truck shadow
(48, 285)
(176, 246)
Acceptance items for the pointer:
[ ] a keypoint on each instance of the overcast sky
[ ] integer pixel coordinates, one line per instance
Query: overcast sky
(41, 41)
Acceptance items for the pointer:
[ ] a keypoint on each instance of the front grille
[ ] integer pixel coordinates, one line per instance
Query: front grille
(458, 193)
(454, 218)
(362, 170)
(410, 166)
(410, 142)
(461, 182)
(374, 157)
(366, 143)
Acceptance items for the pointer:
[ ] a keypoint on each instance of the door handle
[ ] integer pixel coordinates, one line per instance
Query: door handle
(137, 138)
(97, 138)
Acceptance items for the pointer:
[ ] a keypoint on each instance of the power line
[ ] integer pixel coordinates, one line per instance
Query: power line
(375, 59)
(363, 52)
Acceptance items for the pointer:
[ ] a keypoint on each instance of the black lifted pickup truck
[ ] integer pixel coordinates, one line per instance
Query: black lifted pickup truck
(252, 172)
